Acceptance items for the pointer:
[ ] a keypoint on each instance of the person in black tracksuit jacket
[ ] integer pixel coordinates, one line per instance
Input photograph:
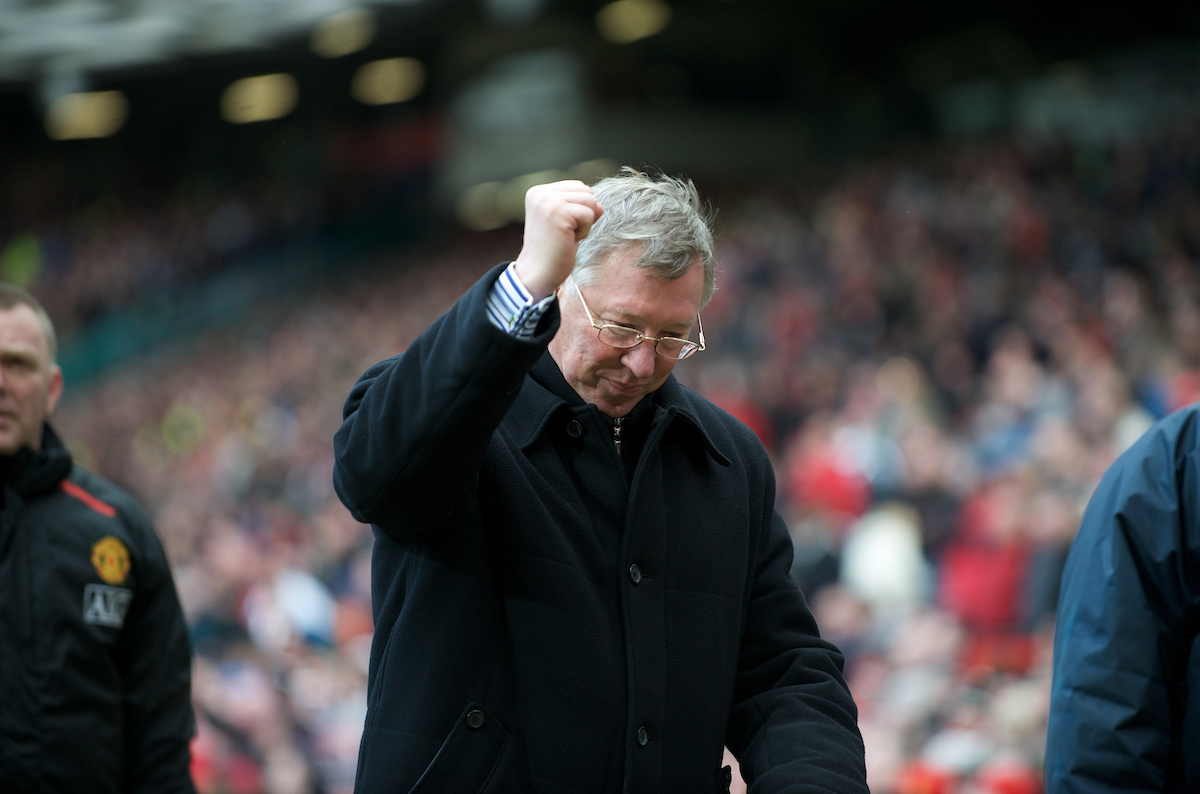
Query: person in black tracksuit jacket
(95, 691)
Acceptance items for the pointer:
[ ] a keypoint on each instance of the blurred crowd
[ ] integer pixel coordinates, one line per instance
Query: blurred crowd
(88, 254)
(942, 350)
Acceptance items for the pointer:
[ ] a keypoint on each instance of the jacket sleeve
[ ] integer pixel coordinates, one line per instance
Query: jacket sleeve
(793, 725)
(1126, 620)
(415, 427)
(155, 661)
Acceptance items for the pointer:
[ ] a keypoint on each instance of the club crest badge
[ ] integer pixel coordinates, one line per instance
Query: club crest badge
(111, 559)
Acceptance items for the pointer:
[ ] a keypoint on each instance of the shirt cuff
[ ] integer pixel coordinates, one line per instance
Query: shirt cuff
(512, 309)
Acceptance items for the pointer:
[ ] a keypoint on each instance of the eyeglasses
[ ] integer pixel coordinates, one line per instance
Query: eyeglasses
(620, 336)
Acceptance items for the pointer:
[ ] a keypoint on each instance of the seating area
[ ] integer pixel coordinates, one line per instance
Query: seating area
(942, 349)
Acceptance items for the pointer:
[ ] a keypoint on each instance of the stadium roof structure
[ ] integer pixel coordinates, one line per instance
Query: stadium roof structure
(847, 72)
(59, 42)
(45, 39)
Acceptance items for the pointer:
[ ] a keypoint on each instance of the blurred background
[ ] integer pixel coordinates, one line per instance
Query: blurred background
(958, 250)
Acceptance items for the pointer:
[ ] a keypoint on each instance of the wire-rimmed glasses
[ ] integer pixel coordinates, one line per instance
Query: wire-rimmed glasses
(620, 336)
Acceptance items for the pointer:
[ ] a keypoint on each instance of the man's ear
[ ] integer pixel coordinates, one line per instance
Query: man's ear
(55, 391)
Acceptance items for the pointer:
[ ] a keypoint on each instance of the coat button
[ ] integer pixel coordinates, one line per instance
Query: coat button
(574, 429)
(475, 718)
(635, 573)
(728, 777)
(643, 736)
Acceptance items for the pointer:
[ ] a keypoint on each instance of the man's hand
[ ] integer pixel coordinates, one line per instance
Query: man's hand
(557, 217)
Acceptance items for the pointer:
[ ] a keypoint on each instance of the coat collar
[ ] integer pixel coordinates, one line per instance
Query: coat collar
(32, 473)
(545, 392)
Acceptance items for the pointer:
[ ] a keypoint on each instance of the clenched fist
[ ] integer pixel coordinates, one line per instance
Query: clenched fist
(557, 217)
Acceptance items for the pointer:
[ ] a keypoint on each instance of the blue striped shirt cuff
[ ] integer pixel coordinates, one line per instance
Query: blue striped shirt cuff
(512, 309)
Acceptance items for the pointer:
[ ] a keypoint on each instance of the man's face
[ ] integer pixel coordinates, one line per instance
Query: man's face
(615, 379)
(30, 383)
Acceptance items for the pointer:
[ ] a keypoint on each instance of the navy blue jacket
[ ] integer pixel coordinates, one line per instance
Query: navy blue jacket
(1125, 702)
(544, 623)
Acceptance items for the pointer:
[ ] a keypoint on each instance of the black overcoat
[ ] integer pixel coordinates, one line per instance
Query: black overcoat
(545, 623)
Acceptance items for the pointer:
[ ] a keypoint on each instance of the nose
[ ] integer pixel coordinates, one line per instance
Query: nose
(640, 360)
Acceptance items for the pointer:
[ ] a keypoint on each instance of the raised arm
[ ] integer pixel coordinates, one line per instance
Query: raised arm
(416, 427)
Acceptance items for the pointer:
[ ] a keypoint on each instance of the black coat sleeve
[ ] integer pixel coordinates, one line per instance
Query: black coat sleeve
(793, 724)
(416, 427)
(1126, 632)
(155, 661)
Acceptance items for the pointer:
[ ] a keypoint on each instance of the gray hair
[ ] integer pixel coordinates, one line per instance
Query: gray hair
(12, 296)
(661, 215)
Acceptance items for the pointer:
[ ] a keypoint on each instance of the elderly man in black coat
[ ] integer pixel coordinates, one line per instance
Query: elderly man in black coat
(580, 581)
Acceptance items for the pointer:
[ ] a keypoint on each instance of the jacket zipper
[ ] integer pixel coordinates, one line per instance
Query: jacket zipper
(617, 433)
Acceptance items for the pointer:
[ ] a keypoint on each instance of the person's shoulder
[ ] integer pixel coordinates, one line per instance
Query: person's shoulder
(1183, 426)
(1151, 465)
(106, 498)
(728, 434)
(1168, 442)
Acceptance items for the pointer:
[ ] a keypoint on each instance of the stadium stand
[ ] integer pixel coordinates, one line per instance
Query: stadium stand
(942, 349)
